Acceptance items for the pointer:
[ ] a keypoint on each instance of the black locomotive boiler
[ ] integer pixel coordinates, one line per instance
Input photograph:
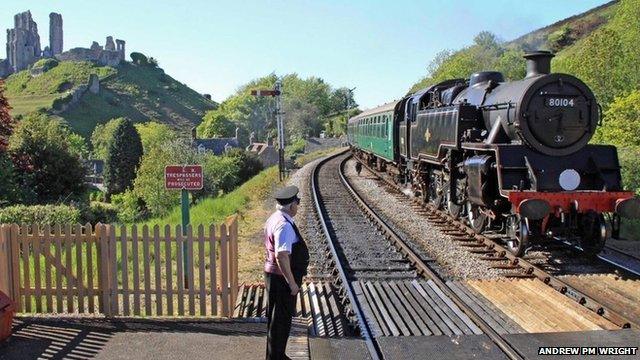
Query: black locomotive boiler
(510, 156)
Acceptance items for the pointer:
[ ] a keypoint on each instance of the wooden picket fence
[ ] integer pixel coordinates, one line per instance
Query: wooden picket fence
(106, 269)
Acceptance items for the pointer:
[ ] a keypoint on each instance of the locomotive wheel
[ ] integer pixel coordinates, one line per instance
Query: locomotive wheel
(477, 219)
(594, 233)
(520, 235)
(435, 198)
(453, 208)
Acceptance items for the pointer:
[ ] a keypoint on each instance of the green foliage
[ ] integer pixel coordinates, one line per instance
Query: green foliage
(485, 54)
(622, 122)
(59, 102)
(49, 170)
(139, 94)
(100, 212)
(40, 214)
(247, 164)
(560, 39)
(154, 134)
(628, 157)
(123, 158)
(296, 147)
(102, 136)
(305, 102)
(218, 125)
(213, 210)
(9, 191)
(139, 59)
(149, 182)
(65, 75)
(78, 146)
(128, 207)
(608, 60)
(45, 64)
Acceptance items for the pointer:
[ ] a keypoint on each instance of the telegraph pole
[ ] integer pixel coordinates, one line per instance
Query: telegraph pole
(277, 94)
(280, 122)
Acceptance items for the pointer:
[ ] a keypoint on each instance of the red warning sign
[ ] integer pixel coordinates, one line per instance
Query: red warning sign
(188, 177)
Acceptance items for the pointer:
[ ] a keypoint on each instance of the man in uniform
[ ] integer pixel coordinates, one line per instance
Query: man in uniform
(284, 268)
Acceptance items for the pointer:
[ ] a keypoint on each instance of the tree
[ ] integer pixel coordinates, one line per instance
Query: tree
(302, 119)
(102, 136)
(47, 169)
(6, 122)
(139, 59)
(622, 122)
(218, 125)
(123, 158)
(154, 134)
(149, 183)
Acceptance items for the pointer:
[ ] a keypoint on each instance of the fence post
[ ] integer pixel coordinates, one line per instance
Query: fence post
(6, 273)
(232, 229)
(104, 303)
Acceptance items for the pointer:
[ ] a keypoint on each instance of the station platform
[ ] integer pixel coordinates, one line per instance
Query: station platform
(99, 338)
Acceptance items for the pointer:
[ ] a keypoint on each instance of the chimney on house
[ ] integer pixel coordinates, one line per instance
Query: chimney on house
(237, 131)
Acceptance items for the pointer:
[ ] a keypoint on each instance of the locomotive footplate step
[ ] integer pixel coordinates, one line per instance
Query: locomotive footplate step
(529, 344)
(439, 347)
(334, 348)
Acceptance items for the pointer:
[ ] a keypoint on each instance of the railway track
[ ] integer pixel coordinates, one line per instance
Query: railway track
(386, 287)
(489, 249)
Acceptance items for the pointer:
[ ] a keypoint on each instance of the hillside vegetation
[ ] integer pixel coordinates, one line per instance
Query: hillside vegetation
(138, 92)
(600, 47)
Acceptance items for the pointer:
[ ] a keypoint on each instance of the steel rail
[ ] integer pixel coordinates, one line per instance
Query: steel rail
(365, 331)
(528, 268)
(426, 271)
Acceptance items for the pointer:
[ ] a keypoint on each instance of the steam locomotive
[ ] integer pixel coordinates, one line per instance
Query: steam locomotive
(507, 156)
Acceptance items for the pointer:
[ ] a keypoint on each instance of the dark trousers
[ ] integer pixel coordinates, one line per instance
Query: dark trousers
(281, 308)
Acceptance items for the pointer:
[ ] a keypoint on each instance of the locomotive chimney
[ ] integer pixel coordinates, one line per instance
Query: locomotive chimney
(538, 63)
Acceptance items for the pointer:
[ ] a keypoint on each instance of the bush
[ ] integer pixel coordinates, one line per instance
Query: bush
(46, 64)
(128, 207)
(139, 59)
(46, 165)
(628, 157)
(40, 214)
(622, 122)
(248, 164)
(560, 39)
(59, 103)
(99, 212)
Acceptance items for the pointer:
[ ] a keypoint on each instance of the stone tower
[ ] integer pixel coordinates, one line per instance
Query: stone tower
(55, 34)
(23, 42)
(120, 48)
(110, 45)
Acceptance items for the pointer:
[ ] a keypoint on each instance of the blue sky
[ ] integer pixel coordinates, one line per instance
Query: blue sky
(379, 47)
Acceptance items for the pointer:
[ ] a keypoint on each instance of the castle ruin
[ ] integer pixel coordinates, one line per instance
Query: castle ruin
(23, 46)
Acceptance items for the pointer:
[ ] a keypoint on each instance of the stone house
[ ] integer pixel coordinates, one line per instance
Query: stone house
(266, 152)
(217, 146)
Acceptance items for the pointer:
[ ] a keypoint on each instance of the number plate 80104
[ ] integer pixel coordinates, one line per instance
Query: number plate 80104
(560, 102)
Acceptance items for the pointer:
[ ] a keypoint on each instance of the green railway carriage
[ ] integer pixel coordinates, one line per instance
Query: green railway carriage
(373, 131)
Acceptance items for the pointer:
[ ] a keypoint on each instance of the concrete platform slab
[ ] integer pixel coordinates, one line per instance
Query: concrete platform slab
(440, 347)
(528, 344)
(142, 339)
(334, 348)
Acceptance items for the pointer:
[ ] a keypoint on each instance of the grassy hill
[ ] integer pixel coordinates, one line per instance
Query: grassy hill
(140, 93)
(579, 26)
(488, 53)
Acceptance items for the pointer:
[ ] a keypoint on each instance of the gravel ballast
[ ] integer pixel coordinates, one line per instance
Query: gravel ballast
(457, 263)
